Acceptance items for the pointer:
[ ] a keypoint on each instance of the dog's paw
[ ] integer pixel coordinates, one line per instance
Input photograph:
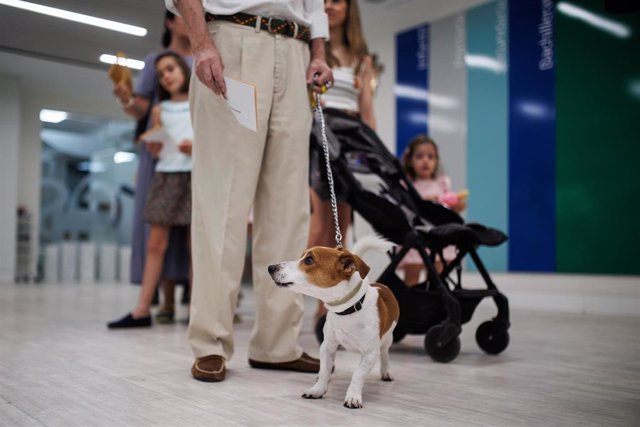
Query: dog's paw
(386, 377)
(307, 395)
(353, 401)
(314, 393)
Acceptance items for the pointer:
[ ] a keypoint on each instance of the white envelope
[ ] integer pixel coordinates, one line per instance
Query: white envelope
(241, 98)
(159, 135)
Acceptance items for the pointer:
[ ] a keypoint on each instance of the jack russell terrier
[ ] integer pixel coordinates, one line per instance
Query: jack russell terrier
(361, 316)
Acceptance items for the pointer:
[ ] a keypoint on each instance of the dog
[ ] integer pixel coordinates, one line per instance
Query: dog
(361, 316)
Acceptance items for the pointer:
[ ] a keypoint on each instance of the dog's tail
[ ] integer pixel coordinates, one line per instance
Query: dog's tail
(371, 242)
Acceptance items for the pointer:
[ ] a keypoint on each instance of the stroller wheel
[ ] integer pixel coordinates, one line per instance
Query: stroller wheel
(319, 328)
(436, 349)
(399, 334)
(492, 336)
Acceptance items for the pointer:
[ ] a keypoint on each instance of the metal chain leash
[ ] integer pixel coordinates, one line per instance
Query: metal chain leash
(325, 148)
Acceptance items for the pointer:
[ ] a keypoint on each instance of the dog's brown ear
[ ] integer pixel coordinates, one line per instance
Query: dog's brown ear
(352, 263)
(348, 264)
(361, 266)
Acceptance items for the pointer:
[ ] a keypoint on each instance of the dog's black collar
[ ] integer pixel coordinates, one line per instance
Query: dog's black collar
(355, 307)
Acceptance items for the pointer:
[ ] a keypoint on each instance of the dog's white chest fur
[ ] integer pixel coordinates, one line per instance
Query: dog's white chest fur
(357, 331)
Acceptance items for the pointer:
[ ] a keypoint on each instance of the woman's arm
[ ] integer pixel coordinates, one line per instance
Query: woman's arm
(135, 106)
(366, 94)
(153, 147)
(136, 102)
(155, 117)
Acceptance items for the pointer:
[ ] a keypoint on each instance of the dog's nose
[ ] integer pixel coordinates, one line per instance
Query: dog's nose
(273, 268)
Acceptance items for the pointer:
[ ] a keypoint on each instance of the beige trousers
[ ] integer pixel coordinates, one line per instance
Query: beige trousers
(235, 168)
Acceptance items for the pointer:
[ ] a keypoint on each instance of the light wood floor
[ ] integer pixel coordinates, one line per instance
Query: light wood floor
(60, 366)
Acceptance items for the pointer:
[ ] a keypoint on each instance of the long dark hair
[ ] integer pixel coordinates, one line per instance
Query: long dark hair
(186, 72)
(166, 36)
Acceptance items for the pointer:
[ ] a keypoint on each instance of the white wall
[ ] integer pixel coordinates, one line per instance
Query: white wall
(381, 23)
(448, 87)
(37, 84)
(9, 149)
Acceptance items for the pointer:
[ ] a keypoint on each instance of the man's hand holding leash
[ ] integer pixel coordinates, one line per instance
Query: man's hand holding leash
(319, 75)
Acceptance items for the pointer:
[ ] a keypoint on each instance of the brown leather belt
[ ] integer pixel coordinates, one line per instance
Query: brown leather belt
(271, 25)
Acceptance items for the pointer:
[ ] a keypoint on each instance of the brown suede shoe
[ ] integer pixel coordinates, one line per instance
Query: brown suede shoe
(304, 363)
(209, 368)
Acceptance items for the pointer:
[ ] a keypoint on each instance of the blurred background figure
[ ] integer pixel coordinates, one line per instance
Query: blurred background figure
(138, 105)
(169, 200)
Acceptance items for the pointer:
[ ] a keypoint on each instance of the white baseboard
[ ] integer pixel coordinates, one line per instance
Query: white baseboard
(609, 295)
(6, 275)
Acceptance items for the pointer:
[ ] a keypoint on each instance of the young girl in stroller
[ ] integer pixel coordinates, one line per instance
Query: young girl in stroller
(421, 163)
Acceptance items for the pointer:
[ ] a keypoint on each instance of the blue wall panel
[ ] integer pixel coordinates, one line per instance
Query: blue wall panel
(532, 144)
(412, 58)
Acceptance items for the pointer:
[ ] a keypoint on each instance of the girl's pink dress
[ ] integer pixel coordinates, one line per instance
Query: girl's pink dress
(430, 189)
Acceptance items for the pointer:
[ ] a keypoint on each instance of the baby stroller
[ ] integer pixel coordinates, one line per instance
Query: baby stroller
(372, 181)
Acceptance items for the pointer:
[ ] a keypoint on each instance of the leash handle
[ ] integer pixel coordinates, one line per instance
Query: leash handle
(325, 148)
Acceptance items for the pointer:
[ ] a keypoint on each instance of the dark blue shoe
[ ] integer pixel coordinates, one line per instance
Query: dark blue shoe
(129, 322)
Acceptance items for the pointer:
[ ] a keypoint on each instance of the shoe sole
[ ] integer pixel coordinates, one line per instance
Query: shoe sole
(208, 377)
(208, 380)
(130, 326)
(275, 367)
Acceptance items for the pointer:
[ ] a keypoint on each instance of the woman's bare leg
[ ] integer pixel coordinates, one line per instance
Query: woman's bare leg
(156, 248)
(319, 231)
(344, 218)
(320, 227)
(169, 292)
(412, 274)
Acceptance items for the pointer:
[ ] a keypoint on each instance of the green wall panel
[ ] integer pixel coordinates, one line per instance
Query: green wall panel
(598, 145)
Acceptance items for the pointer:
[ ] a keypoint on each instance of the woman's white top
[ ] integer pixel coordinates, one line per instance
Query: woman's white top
(344, 94)
(176, 121)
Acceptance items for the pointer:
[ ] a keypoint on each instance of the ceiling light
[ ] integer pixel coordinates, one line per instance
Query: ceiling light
(634, 88)
(52, 116)
(534, 109)
(77, 17)
(420, 94)
(605, 24)
(485, 62)
(123, 157)
(417, 118)
(127, 62)
(97, 167)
